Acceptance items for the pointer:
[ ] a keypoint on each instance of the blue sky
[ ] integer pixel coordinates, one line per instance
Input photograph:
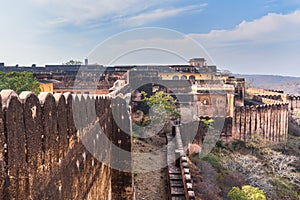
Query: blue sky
(258, 36)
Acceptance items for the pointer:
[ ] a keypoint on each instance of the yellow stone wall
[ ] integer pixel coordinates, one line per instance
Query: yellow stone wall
(46, 87)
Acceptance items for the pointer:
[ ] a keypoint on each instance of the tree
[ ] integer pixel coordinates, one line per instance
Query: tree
(73, 62)
(163, 101)
(156, 109)
(246, 193)
(207, 123)
(19, 82)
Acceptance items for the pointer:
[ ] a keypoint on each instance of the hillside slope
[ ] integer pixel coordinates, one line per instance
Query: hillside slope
(290, 85)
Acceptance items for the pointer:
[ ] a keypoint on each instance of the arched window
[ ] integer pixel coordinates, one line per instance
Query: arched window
(192, 78)
(184, 77)
(175, 77)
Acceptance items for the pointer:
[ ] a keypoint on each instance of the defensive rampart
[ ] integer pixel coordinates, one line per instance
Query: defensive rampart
(271, 121)
(42, 155)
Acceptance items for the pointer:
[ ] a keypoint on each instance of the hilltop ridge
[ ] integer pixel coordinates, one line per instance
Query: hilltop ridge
(289, 84)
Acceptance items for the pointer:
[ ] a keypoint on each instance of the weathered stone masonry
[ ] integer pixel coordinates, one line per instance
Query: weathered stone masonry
(42, 157)
(271, 121)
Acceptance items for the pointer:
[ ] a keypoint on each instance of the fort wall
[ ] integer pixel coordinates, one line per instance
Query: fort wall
(268, 99)
(271, 121)
(294, 101)
(256, 91)
(42, 155)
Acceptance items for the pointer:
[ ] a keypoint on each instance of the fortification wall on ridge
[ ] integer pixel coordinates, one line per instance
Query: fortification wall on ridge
(271, 121)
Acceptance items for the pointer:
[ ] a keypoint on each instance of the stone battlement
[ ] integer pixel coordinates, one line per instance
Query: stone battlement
(269, 120)
(42, 157)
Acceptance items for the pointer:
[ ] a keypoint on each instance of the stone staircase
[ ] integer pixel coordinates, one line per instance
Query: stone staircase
(179, 178)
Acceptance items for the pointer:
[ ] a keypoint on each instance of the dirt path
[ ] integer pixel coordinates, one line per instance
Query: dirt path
(152, 184)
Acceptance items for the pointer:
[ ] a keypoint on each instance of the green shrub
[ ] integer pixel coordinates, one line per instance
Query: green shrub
(237, 144)
(237, 194)
(246, 193)
(284, 189)
(213, 160)
(19, 82)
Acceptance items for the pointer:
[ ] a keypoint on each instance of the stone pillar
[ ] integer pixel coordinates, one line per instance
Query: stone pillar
(247, 123)
(243, 121)
(272, 122)
(258, 120)
(253, 124)
(268, 132)
(237, 123)
(265, 122)
(287, 122)
(276, 113)
(278, 123)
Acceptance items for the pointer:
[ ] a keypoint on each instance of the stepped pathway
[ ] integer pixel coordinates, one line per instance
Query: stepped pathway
(153, 184)
(174, 173)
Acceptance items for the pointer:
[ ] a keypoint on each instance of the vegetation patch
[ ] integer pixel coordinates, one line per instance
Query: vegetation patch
(19, 82)
(257, 164)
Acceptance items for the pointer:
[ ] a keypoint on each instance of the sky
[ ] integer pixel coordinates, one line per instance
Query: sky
(251, 37)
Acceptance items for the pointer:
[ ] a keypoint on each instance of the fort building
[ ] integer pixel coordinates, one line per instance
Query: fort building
(42, 150)
(202, 87)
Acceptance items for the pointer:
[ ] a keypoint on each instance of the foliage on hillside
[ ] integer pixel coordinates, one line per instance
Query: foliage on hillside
(246, 193)
(19, 82)
(272, 169)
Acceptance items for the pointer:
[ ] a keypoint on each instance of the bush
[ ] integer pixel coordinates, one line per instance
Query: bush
(213, 160)
(284, 189)
(246, 193)
(238, 144)
(237, 194)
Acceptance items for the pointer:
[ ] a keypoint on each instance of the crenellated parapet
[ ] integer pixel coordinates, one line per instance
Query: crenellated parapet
(269, 94)
(277, 91)
(293, 97)
(269, 120)
(268, 99)
(257, 91)
(48, 146)
(294, 101)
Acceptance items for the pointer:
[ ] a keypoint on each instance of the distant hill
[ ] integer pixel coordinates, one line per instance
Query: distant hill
(289, 84)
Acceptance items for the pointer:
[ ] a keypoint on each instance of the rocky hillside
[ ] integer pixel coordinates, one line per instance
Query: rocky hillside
(290, 85)
(273, 169)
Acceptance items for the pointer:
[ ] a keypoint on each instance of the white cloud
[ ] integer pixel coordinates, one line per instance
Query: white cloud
(157, 14)
(83, 11)
(264, 45)
(268, 29)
